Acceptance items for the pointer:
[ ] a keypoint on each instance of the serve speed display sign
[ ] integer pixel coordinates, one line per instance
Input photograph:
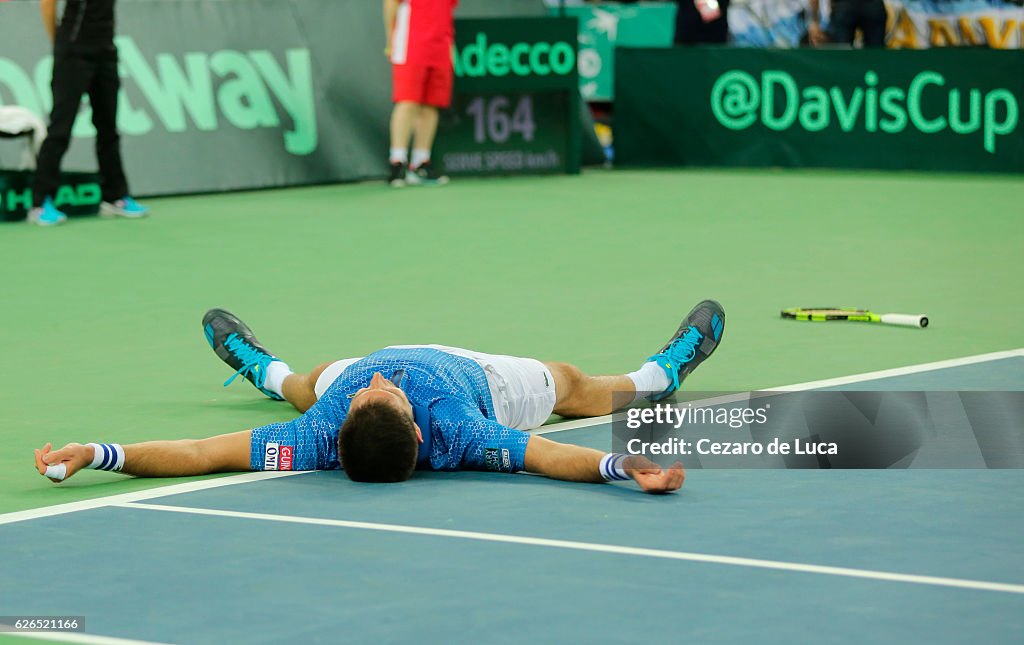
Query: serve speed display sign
(515, 108)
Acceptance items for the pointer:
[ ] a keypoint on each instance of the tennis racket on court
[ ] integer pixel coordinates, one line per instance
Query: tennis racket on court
(821, 314)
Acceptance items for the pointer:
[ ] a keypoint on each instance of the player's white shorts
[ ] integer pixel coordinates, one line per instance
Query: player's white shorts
(522, 389)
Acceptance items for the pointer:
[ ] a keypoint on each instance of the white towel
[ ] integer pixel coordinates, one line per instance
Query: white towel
(17, 120)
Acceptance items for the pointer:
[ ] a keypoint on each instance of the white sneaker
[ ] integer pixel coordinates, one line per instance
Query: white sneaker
(124, 207)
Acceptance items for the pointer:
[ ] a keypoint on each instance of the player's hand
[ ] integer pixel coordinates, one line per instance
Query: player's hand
(387, 49)
(815, 34)
(73, 457)
(651, 477)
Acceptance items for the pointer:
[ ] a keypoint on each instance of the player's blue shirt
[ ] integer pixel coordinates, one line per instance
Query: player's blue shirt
(451, 402)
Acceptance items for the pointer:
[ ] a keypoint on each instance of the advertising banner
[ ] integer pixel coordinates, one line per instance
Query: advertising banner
(606, 25)
(516, 102)
(937, 109)
(78, 194)
(236, 94)
(229, 94)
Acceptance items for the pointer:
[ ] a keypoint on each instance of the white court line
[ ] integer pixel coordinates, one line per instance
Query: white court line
(902, 371)
(100, 502)
(79, 637)
(829, 382)
(112, 500)
(573, 425)
(959, 583)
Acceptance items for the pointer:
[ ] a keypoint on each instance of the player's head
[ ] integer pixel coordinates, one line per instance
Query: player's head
(379, 439)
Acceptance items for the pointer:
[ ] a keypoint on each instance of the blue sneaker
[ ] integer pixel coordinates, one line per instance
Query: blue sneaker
(124, 207)
(235, 344)
(46, 215)
(695, 340)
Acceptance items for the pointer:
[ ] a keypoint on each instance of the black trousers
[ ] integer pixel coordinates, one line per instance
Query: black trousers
(692, 30)
(868, 16)
(79, 71)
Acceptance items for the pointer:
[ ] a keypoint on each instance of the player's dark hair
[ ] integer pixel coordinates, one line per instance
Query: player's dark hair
(377, 443)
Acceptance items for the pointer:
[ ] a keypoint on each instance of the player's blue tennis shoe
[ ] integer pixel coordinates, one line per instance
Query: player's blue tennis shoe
(235, 344)
(47, 214)
(695, 340)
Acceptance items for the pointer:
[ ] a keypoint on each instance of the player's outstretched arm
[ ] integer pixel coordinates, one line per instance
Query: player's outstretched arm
(223, 453)
(579, 464)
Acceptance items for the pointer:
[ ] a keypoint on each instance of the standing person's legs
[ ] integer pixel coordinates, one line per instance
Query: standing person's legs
(436, 96)
(403, 117)
(407, 87)
(872, 24)
(688, 24)
(842, 25)
(424, 131)
(72, 75)
(103, 93)
(403, 120)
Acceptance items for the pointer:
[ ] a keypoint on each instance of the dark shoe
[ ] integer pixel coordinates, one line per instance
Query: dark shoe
(425, 174)
(397, 179)
(236, 345)
(695, 340)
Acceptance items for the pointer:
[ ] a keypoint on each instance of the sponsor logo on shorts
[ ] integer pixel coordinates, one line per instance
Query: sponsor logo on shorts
(286, 457)
(506, 459)
(271, 454)
(491, 459)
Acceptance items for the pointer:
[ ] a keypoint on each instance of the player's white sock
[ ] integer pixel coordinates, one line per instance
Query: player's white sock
(398, 155)
(277, 372)
(650, 378)
(418, 157)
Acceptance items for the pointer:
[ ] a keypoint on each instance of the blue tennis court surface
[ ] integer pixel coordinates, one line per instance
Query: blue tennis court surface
(768, 556)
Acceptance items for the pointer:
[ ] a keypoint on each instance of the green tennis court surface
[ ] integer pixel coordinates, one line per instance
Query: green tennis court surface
(102, 343)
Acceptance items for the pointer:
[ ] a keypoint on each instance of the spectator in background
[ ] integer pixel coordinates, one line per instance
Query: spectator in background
(420, 37)
(778, 24)
(846, 17)
(701, 22)
(84, 62)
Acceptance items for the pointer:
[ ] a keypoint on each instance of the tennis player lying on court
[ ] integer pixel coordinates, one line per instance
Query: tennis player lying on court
(404, 408)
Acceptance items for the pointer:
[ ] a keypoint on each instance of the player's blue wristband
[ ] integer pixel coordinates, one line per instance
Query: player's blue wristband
(611, 467)
(107, 456)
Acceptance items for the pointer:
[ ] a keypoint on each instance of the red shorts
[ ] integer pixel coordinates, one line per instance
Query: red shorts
(421, 84)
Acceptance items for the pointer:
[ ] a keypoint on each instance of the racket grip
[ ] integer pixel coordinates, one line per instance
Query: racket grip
(907, 320)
